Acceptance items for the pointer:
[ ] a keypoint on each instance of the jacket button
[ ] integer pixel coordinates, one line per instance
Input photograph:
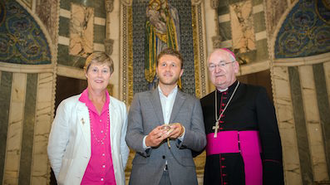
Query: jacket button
(163, 157)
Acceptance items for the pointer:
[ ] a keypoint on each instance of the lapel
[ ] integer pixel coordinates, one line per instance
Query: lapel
(84, 123)
(179, 100)
(114, 116)
(155, 101)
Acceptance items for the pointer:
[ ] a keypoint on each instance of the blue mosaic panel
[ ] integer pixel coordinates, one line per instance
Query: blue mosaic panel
(21, 39)
(186, 43)
(305, 31)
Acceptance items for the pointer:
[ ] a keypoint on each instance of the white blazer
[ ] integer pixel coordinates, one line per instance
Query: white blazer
(69, 146)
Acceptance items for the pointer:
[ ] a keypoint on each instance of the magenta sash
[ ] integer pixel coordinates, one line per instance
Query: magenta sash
(245, 142)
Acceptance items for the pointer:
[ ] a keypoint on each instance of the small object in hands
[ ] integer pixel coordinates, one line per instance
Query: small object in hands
(168, 130)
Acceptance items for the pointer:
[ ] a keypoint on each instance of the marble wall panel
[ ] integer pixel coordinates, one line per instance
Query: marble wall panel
(327, 77)
(243, 35)
(259, 22)
(262, 51)
(44, 112)
(81, 30)
(225, 31)
(28, 129)
(323, 106)
(300, 126)
(65, 4)
(64, 29)
(314, 129)
(286, 122)
(99, 34)
(257, 2)
(15, 126)
(5, 90)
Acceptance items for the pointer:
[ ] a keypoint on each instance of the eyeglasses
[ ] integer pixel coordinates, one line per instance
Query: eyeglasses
(220, 65)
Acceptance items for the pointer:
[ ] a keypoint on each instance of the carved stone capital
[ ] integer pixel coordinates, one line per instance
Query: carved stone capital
(109, 5)
(108, 46)
(214, 4)
(216, 40)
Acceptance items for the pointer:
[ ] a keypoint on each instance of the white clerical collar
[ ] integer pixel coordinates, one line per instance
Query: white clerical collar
(223, 90)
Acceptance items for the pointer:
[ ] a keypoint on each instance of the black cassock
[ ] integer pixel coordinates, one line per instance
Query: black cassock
(249, 110)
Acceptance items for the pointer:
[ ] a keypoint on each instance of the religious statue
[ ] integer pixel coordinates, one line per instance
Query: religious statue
(162, 31)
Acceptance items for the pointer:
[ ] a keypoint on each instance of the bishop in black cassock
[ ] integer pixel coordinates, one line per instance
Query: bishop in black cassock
(244, 145)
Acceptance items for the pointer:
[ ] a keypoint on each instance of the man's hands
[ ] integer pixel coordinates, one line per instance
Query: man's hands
(155, 137)
(158, 134)
(176, 130)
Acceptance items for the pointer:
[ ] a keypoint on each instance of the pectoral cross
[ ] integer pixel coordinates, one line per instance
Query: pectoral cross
(216, 127)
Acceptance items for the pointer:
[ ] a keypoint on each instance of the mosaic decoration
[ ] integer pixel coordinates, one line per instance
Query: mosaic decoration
(21, 39)
(186, 45)
(323, 10)
(304, 33)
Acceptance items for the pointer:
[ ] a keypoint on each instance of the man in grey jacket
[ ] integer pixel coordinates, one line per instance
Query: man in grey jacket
(164, 126)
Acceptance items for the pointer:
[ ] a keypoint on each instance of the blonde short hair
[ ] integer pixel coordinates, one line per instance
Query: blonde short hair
(100, 58)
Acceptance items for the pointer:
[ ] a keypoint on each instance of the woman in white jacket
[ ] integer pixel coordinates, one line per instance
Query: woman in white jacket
(87, 140)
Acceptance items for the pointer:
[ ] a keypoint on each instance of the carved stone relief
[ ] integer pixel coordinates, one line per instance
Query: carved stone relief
(243, 35)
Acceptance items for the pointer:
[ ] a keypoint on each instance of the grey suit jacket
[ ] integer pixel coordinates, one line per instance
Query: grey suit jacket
(148, 165)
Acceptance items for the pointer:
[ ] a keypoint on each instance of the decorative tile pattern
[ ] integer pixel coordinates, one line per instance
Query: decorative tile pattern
(21, 39)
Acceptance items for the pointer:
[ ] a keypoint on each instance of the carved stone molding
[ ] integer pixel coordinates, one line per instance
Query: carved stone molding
(109, 5)
(214, 4)
(195, 2)
(127, 2)
(216, 40)
(108, 44)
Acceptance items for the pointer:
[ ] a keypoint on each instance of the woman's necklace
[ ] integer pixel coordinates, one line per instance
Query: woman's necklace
(216, 127)
(105, 132)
